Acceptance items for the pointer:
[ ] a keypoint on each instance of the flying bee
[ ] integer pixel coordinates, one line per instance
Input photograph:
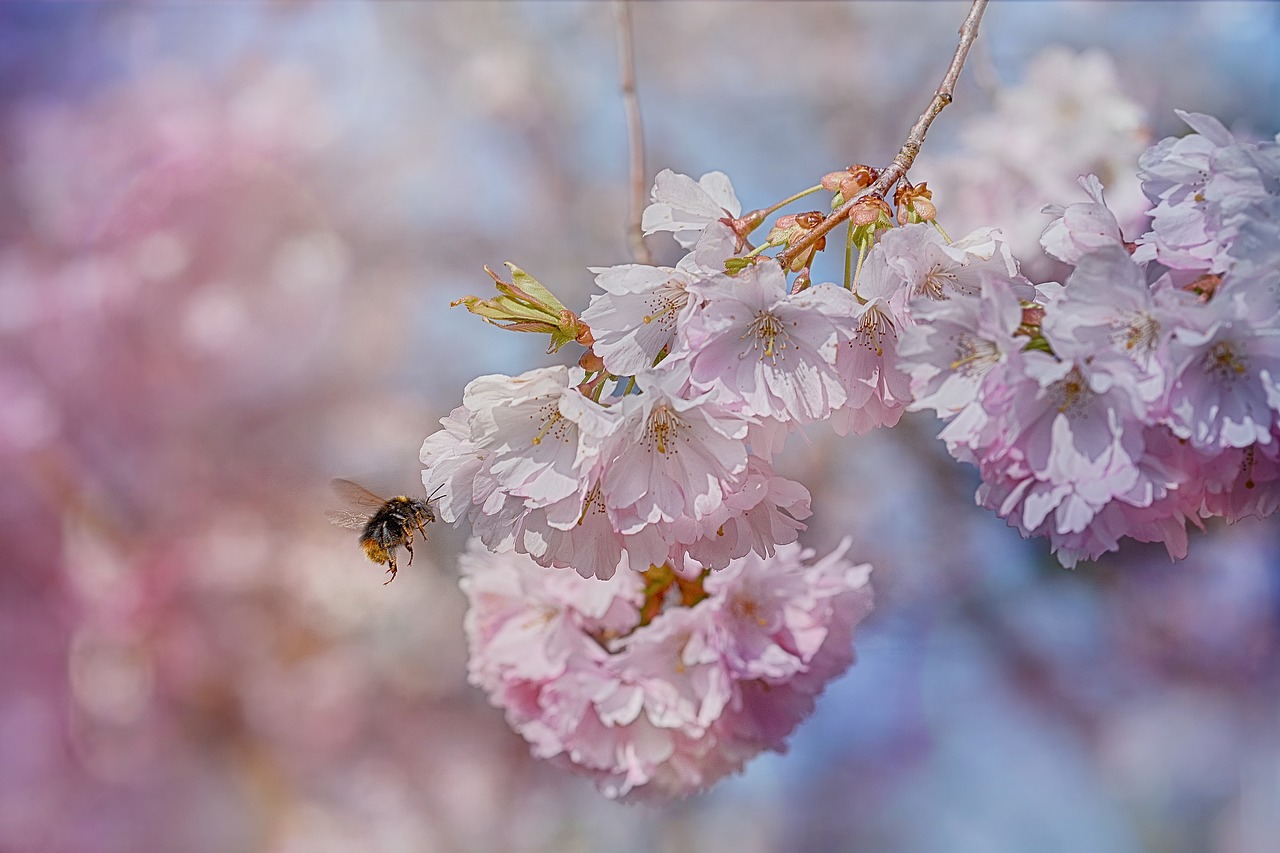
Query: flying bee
(384, 524)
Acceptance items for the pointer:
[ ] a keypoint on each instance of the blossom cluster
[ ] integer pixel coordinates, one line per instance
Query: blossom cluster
(665, 451)
(1138, 395)
(652, 705)
(1144, 391)
(656, 458)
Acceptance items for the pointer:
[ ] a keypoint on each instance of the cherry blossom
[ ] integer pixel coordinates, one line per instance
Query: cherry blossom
(685, 207)
(762, 352)
(639, 313)
(668, 458)
(652, 708)
(1081, 227)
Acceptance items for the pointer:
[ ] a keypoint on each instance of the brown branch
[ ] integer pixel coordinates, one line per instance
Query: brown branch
(915, 138)
(635, 132)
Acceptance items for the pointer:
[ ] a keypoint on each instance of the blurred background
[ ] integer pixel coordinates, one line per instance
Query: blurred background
(229, 235)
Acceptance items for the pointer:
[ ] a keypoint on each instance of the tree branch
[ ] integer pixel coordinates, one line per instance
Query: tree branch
(915, 138)
(635, 132)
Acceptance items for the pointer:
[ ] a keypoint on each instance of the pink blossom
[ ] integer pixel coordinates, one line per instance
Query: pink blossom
(876, 392)
(1107, 303)
(1249, 483)
(529, 425)
(1087, 510)
(1204, 186)
(955, 345)
(763, 353)
(669, 458)
(1224, 365)
(1081, 227)
(930, 267)
(638, 315)
(515, 460)
(657, 710)
(686, 207)
(766, 512)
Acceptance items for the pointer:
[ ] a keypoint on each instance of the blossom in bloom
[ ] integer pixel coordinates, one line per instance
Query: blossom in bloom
(956, 355)
(1148, 493)
(668, 458)
(1224, 364)
(685, 207)
(876, 392)
(1082, 227)
(763, 353)
(911, 268)
(639, 313)
(1107, 304)
(656, 708)
(1143, 398)
(529, 425)
(1248, 482)
(452, 459)
(1204, 185)
(719, 242)
(767, 511)
(930, 267)
(519, 459)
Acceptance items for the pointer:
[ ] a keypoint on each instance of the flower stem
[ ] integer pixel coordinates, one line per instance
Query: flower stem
(848, 258)
(635, 131)
(862, 256)
(787, 201)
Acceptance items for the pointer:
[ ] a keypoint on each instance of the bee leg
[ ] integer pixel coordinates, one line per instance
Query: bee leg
(391, 561)
(408, 546)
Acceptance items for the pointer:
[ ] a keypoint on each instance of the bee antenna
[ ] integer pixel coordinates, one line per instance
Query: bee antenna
(432, 496)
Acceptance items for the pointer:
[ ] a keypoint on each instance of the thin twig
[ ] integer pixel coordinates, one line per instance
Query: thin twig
(907, 155)
(635, 132)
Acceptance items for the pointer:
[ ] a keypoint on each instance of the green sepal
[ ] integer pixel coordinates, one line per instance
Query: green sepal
(1039, 343)
(525, 305)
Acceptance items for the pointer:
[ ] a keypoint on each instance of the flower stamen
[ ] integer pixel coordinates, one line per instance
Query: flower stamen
(874, 326)
(766, 327)
(662, 425)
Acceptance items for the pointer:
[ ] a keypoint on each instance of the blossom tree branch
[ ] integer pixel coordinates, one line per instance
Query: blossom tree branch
(910, 148)
(635, 131)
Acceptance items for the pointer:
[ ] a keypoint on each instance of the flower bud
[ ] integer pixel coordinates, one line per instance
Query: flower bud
(914, 203)
(525, 305)
(849, 182)
(793, 227)
(868, 211)
(591, 362)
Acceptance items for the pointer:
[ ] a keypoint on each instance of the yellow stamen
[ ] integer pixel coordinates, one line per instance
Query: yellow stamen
(546, 427)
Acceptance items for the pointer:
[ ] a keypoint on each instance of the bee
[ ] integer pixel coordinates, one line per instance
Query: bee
(384, 523)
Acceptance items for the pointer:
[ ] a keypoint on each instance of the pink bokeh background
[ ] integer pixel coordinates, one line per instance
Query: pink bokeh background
(229, 235)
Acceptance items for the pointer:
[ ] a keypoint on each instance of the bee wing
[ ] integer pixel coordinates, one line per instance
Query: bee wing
(343, 518)
(356, 495)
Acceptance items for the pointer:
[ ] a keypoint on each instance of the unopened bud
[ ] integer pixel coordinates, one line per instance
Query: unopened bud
(849, 182)
(868, 211)
(793, 227)
(747, 222)
(913, 203)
